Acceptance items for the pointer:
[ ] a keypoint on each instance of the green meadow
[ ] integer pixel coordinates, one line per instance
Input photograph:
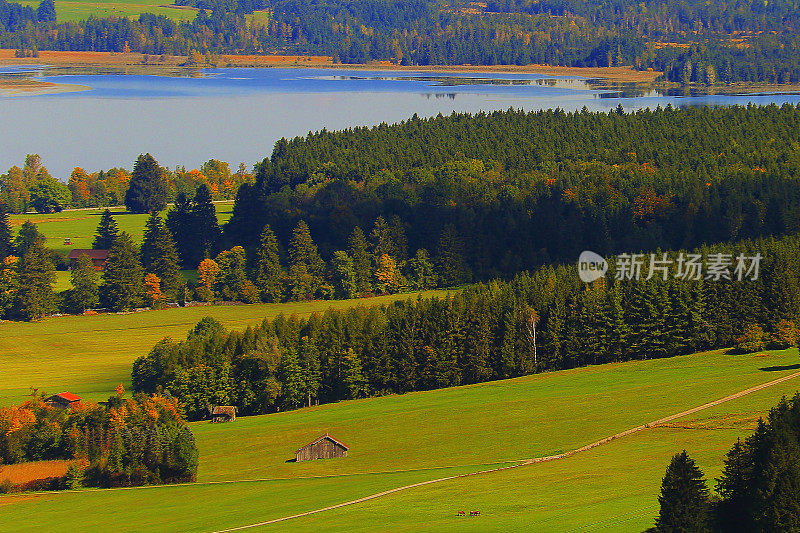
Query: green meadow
(79, 225)
(72, 10)
(90, 355)
(398, 440)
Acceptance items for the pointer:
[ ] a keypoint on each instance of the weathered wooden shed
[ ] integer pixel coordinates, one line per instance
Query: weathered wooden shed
(325, 447)
(223, 413)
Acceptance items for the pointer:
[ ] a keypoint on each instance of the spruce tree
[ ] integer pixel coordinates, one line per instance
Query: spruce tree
(382, 238)
(179, 222)
(420, 272)
(147, 189)
(452, 266)
(268, 272)
(306, 267)
(310, 367)
(46, 12)
(397, 233)
(358, 249)
(683, 499)
(28, 237)
(291, 377)
(106, 232)
(123, 278)
(85, 292)
(6, 247)
(36, 274)
(353, 381)
(344, 275)
(159, 257)
(204, 225)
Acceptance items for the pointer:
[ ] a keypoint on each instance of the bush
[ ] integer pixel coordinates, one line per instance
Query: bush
(753, 339)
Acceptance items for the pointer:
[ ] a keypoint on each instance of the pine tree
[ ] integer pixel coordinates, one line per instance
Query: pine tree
(28, 237)
(291, 377)
(453, 269)
(36, 274)
(123, 277)
(735, 487)
(683, 499)
(106, 232)
(159, 257)
(399, 241)
(179, 222)
(85, 293)
(46, 12)
(6, 248)
(147, 189)
(420, 272)
(344, 273)
(352, 378)
(268, 272)
(358, 249)
(305, 264)
(381, 238)
(310, 367)
(204, 224)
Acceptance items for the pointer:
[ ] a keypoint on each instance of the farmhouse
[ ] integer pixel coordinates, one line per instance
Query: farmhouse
(63, 400)
(98, 257)
(223, 413)
(325, 447)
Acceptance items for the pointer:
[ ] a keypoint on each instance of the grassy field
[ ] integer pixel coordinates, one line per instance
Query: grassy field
(80, 225)
(75, 10)
(89, 355)
(397, 440)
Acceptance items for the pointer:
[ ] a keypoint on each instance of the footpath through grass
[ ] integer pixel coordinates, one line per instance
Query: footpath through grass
(90, 355)
(430, 435)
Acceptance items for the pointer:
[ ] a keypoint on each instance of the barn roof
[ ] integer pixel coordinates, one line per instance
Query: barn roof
(93, 254)
(224, 410)
(66, 396)
(323, 437)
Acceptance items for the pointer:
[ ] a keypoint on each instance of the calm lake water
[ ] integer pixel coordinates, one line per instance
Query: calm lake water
(236, 115)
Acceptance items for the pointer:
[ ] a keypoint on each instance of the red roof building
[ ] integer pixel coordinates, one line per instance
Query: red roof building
(64, 400)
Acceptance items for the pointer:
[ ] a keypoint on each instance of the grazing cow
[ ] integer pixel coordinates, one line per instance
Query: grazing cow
(474, 513)
(462, 513)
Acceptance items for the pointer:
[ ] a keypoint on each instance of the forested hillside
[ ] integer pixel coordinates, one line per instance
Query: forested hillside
(508, 191)
(725, 42)
(546, 320)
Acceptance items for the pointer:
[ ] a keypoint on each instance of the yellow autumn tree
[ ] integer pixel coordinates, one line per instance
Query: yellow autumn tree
(388, 276)
(207, 273)
(152, 287)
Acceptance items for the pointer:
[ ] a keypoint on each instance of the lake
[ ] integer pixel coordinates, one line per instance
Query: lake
(237, 114)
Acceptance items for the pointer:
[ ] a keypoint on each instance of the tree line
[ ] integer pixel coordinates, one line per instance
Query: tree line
(142, 440)
(758, 488)
(32, 187)
(507, 191)
(545, 320)
(557, 32)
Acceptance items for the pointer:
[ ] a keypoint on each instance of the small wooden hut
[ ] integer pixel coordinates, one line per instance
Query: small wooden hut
(223, 413)
(325, 447)
(63, 400)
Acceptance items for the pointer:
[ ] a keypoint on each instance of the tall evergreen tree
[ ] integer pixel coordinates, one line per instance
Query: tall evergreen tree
(304, 260)
(268, 272)
(123, 277)
(204, 224)
(147, 189)
(179, 222)
(85, 292)
(36, 274)
(310, 368)
(159, 257)
(683, 499)
(358, 249)
(46, 12)
(291, 376)
(6, 247)
(381, 236)
(353, 381)
(106, 232)
(344, 273)
(27, 237)
(452, 266)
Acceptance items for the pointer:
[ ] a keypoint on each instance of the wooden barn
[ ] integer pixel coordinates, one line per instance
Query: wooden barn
(98, 257)
(325, 447)
(223, 413)
(63, 400)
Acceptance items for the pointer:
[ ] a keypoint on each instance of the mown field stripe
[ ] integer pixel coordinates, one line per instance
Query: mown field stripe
(535, 460)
